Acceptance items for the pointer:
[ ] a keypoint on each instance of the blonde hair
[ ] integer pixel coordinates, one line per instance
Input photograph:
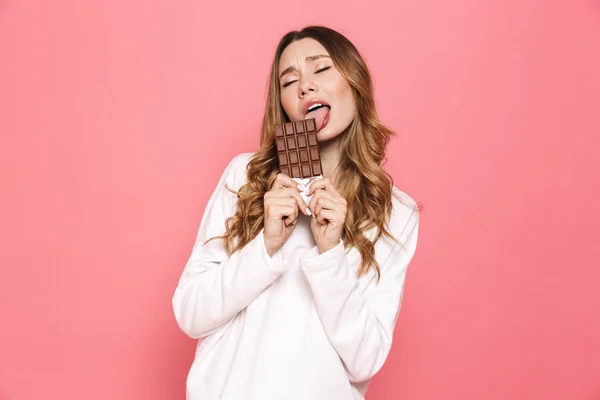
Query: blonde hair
(361, 179)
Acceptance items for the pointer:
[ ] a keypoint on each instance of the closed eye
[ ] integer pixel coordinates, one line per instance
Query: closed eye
(316, 72)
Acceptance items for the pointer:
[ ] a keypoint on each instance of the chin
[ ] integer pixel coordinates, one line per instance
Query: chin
(330, 132)
(326, 134)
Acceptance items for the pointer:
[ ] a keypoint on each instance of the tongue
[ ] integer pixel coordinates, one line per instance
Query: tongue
(319, 116)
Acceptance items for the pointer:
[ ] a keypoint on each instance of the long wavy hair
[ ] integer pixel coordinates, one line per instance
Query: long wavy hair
(361, 179)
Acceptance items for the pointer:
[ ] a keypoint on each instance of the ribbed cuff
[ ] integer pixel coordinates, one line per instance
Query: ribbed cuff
(312, 260)
(276, 263)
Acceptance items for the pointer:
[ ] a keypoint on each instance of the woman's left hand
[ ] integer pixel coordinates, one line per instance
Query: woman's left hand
(329, 213)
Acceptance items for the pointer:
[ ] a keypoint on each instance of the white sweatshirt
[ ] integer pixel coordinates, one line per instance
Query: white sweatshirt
(297, 325)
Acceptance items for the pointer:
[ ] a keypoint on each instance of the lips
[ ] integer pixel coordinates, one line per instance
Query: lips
(319, 110)
(321, 116)
(313, 105)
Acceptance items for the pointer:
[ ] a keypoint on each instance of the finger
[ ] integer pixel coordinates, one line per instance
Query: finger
(321, 220)
(327, 217)
(292, 217)
(313, 202)
(287, 201)
(316, 206)
(321, 194)
(273, 208)
(281, 181)
(324, 184)
(292, 194)
(289, 221)
(318, 184)
(278, 184)
(286, 207)
(289, 204)
(284, 181)
(328, 195)
(286, 212)
(280, 201)
(325, 204)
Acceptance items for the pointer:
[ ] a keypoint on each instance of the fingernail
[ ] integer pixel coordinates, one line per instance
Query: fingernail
(301, 187)
(308, 211)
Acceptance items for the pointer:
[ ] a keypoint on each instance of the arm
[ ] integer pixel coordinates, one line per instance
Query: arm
(360, 324)
(214, 286)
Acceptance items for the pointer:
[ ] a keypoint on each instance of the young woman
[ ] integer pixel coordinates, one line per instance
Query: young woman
(295, 300)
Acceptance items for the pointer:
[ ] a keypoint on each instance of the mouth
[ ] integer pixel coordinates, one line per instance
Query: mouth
(314, 107)
(320, 112)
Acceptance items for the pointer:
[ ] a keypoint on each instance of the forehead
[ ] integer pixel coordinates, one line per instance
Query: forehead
(296, 52)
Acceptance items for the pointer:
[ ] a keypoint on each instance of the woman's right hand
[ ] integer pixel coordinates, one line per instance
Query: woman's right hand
(281, 205)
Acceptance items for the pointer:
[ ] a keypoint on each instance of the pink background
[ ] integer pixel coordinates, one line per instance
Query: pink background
(118, 117)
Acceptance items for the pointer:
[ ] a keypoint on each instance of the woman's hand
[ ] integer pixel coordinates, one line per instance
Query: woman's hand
(329, 211)
(281, 205)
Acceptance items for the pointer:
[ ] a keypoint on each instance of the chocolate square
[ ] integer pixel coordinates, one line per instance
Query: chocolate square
(298, 151)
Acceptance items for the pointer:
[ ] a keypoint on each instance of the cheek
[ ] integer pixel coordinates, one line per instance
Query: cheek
(342, 89)
(346, 98)
(287, 102)
(348, 95)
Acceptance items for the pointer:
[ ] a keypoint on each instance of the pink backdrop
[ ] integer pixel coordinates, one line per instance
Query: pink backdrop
(117, 118)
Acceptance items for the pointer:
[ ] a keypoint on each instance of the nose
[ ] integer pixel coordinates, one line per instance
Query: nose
(305, 87)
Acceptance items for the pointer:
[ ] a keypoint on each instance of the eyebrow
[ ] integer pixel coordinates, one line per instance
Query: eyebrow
(309, 59)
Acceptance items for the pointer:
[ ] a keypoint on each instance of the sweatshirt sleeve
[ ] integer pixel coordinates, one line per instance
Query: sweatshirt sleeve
(360, 322)
(214, 287)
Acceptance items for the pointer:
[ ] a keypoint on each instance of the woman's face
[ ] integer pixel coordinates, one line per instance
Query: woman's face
(307, 78)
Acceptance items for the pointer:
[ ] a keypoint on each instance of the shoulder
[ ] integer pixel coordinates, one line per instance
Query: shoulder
(239, 163)
(404, 221)
(236, 172)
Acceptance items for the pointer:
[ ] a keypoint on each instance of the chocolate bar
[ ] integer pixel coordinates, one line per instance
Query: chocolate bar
(297, 149)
